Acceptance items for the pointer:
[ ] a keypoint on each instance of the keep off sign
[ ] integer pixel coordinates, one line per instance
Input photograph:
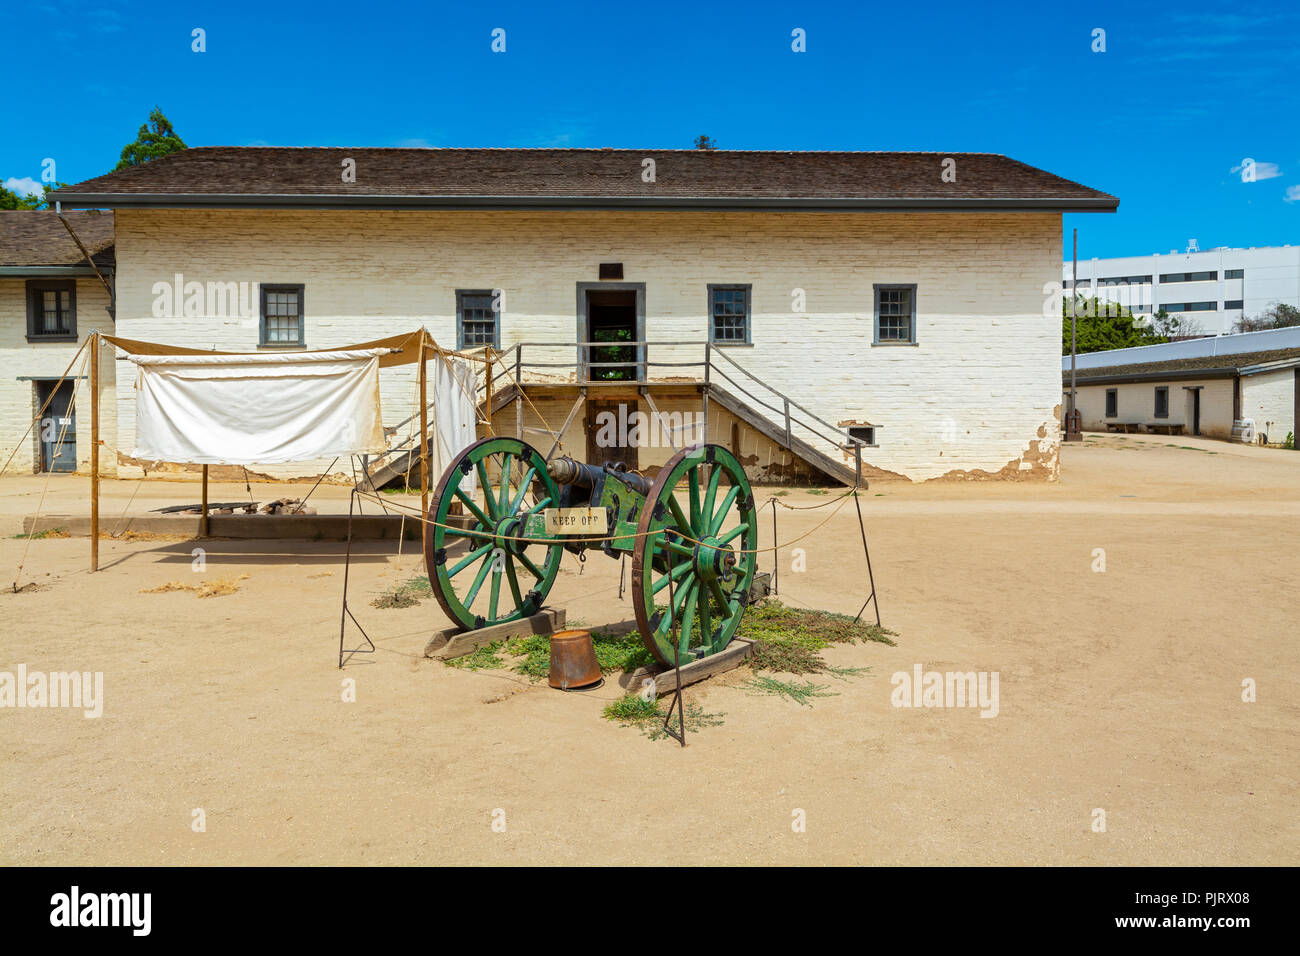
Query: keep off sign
(576, 521)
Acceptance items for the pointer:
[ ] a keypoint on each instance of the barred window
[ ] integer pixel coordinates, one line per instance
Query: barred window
(476, 319)
(282, 315)
(52, 309)
(895, 315)
(729, 314)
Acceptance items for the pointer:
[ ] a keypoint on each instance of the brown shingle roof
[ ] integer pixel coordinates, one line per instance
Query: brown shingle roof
(35, 237)
(1233, 363)
(263, 176)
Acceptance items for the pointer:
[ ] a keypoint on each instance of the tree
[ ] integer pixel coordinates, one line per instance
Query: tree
(11, 200)
(1104, 325)
(1176, 326)
(153, 141)
(1277, 316)
(705, 142)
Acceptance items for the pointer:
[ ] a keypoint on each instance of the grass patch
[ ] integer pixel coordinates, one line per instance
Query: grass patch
(801, 693)
(484, 658)
(790, 640)
(42, 535)
(646, 716)
(818, 491)
(408, 594)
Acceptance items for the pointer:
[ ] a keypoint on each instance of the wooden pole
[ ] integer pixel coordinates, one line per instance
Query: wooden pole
(424, 429)
(94, 451)
(487, 385)
(203, 521)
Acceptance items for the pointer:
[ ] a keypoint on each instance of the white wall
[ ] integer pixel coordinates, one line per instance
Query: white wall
(1269, 398)
(978, 393)
(21, 360)
(1136, 405)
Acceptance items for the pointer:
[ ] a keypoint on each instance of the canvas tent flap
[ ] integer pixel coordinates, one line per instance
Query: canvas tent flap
(259, 408)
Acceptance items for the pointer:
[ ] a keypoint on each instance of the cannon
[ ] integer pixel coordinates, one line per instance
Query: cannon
(692, 532)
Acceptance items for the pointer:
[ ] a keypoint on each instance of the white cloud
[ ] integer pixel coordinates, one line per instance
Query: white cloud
(1263, 170)
(1292, 194)
(24, 187)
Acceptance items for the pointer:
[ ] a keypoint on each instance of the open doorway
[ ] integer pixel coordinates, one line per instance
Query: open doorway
(612, 312)
(1193, 417)
(56, 436)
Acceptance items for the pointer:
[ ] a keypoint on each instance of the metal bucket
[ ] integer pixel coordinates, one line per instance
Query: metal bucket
(573, 660)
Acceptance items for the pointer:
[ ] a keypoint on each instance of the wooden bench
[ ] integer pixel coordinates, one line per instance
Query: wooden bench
(1127, 428)
(1164, 428)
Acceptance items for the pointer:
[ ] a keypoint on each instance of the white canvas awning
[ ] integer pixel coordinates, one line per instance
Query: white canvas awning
(232, 409)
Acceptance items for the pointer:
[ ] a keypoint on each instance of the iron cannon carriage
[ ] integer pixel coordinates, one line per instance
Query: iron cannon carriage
(692, 532)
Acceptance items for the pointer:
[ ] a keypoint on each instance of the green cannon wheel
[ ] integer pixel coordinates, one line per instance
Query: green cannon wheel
(694, 560)
(499, 482)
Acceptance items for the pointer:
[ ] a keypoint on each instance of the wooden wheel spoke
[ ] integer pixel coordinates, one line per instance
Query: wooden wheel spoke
(507, 464)
(683, 523)
(486, 486)
(706, 513)
(513, 580)
(523, 489)
(687, 620)
(468, 560)
(733, 534)
(706, 621)
(474, 509)
(723, 598)
(478, 581)
(533, 569)
(495, 596)
(673, 575)
(693, 487)
(715, 524)
(539, 506)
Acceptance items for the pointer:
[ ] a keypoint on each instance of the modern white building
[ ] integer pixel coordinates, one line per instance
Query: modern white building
(1214, 288)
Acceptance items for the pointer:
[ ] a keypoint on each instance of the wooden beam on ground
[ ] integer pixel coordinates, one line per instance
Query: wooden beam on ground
(729, 658)
(452, 642)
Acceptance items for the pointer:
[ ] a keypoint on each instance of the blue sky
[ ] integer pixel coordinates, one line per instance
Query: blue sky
(1182, 94)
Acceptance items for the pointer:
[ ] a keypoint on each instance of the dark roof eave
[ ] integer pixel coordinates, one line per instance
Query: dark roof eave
(1170, 375)
(50, 271)
(708, 204)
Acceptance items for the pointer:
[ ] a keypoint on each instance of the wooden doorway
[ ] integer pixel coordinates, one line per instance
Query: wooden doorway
(612, 312)
(609, 427)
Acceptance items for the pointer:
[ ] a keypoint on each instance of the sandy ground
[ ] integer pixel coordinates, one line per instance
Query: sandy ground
(1119, 690)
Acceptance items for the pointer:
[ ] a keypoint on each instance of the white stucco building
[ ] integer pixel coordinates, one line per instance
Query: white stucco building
(1243, 387)
(882, 298)
(1214, 288)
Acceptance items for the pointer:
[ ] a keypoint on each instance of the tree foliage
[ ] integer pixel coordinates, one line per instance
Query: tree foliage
(1104, 325)
(156, 138)
(1277, 316)
(12, 200)
(705, 142)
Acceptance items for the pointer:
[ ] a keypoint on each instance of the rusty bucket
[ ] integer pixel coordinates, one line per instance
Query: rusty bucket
(573, 660)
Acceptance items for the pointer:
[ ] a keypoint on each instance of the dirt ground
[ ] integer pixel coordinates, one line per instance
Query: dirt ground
(1120, 691)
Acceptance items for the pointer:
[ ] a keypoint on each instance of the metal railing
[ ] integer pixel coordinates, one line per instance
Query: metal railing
(511, 367)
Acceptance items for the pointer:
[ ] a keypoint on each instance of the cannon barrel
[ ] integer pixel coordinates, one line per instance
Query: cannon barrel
(566, 471)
